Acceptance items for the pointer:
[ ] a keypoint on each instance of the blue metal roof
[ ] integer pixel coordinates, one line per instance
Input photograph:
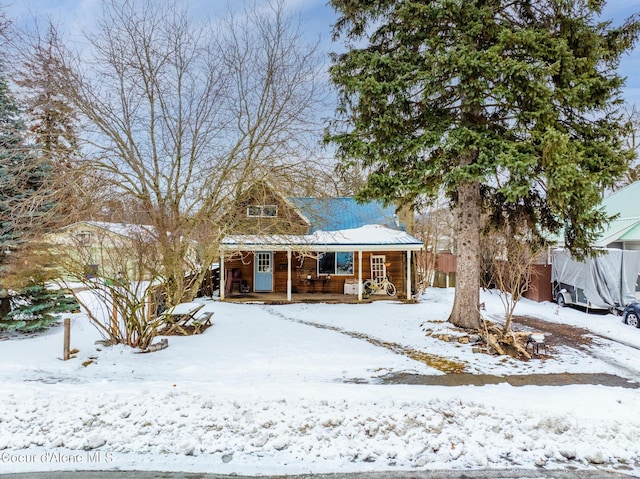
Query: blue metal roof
(332, 214)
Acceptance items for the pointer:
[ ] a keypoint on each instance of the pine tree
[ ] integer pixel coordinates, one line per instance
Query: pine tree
(52, 125)
(503, 104)
(12, 156)
(53, 120)
(37, 307)
(24, 201)
(9, 138)
(25, 206)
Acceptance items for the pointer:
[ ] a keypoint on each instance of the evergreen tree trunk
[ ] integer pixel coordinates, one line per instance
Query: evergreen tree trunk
(465, 312)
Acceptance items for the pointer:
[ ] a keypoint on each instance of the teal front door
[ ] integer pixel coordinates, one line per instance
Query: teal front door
(263, 268)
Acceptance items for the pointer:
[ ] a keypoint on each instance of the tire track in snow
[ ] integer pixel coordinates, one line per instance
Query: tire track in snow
(440, 363)
(579, 338)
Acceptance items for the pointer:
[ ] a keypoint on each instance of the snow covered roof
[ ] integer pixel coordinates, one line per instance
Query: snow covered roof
(127, 230)
(365, 238)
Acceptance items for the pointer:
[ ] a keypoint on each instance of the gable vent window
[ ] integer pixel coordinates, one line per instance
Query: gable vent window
(262, 211)
(84, 238)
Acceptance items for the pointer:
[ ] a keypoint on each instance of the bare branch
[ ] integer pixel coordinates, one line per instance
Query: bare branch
(182, 115)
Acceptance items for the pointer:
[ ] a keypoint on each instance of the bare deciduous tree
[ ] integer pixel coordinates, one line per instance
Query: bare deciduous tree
(632, 141)
(508, 259)
(183, 114)
(434, 226)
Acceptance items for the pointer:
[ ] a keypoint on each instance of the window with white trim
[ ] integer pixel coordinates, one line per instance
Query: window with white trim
(262, 211)
(338, 263)
(378, 266)
(263, 261)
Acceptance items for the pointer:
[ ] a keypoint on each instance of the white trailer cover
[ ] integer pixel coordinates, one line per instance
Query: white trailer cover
(608, 280)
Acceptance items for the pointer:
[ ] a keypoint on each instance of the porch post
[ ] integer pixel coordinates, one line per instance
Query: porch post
(360, 275)
(408, 274)
(288, 275)
(222, 285)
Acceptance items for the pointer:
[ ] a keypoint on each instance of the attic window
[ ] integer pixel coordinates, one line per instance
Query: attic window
(84, 238)
(262, 211)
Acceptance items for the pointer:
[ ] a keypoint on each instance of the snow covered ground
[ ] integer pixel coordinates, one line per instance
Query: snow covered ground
(296, 388)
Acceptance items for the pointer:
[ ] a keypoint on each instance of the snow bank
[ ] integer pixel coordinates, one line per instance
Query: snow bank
(267, 389)
(164, 427)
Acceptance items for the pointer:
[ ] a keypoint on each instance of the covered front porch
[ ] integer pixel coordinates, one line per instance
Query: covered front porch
(325, 298)
(310, 267)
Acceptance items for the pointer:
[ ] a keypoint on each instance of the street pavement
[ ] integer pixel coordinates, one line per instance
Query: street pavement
(435, 474)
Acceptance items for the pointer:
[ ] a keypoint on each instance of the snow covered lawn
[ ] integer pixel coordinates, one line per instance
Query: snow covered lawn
(295, 388)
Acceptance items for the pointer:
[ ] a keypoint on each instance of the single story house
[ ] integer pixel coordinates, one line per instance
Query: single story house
(105, 249)
(325, 261)
(623, 232)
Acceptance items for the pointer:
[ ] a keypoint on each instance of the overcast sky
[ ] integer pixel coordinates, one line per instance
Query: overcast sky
(75, 15)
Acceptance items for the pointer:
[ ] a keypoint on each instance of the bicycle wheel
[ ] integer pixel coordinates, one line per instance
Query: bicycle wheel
(390, 289)
(368, 286)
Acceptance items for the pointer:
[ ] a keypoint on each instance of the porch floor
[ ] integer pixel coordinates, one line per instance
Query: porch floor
(279, 298)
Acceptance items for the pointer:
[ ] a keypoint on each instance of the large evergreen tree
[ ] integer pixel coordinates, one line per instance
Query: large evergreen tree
(37, 307)
(12, 181)
(12, 156)
(52, 118)
(52, 128)
(25, 209)
(510, 104)
(25, 199)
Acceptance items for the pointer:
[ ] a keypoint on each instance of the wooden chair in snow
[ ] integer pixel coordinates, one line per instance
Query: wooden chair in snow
(202, 322)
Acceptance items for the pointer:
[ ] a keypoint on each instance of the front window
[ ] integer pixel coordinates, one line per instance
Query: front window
(262, 211)
(339, 263)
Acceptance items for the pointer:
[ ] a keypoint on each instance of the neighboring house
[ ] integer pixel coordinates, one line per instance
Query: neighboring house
(313, 245)
(612, 279)
(624, 231)
(107, 250)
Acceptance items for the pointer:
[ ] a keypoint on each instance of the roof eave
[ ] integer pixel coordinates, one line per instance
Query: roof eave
(232, 247)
